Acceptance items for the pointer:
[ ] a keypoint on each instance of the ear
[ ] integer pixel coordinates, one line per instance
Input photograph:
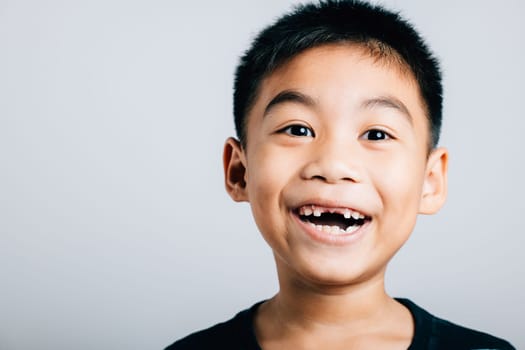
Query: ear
(234, 163)
(434, 191)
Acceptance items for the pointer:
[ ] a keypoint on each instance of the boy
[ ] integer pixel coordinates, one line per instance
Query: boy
(338, 112)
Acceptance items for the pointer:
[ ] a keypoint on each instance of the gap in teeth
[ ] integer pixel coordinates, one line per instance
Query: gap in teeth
(317, 212)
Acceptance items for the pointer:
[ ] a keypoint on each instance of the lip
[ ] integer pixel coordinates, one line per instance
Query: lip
(331, 239)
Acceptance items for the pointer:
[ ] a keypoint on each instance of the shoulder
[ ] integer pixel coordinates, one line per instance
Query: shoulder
(235, 333)
(435, 333)
(451, 336)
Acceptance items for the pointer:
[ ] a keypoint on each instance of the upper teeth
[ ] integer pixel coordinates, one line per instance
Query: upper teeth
(308, 210)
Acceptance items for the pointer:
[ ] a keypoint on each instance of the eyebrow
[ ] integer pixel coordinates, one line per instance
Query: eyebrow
(293, 96)
(388, 102)
(288, 96)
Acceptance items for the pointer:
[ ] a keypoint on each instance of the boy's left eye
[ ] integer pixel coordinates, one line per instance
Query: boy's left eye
(376, 135)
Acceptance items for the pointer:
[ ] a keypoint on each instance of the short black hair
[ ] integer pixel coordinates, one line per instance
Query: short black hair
(337, 22)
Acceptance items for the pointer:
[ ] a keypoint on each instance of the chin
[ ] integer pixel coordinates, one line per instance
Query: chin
(330, 274)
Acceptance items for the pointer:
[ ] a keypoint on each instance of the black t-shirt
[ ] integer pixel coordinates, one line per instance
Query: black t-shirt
(431, 333)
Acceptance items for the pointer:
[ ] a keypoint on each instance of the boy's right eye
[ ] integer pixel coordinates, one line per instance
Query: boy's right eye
(298, 130)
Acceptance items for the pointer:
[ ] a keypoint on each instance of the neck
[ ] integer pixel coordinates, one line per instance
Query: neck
(308, 305)
(331, 305)
(316, 313)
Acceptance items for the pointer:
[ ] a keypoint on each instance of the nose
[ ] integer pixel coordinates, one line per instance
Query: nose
(332, 162)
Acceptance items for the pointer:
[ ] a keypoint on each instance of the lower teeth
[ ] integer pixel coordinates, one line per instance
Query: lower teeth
(335, 230)
(351, 229)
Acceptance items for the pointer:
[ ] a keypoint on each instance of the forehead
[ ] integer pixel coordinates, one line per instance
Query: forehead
(348, 68)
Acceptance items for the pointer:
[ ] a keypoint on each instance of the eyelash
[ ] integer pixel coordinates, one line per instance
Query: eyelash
(375, 132)
(299, 130)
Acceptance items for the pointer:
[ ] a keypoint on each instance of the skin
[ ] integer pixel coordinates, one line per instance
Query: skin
(356, 138)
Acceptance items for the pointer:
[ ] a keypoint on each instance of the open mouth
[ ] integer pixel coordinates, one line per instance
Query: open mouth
(332, 220)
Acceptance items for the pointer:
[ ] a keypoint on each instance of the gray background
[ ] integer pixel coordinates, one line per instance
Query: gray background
(115, 230)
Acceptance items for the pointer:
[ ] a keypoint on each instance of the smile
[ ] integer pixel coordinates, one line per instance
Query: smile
(335, 221)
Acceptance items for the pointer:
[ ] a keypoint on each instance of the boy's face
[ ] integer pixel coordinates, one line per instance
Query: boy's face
(333, 134)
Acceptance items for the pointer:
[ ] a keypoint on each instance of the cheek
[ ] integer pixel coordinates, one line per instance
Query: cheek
(264, 185)
(399, 183)
(266, 178)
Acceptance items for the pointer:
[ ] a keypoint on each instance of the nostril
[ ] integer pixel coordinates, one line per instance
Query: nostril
(326, 179)
(330, 170)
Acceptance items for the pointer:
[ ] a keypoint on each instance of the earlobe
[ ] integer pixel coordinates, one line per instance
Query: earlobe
(434, 191)
(234, 170)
